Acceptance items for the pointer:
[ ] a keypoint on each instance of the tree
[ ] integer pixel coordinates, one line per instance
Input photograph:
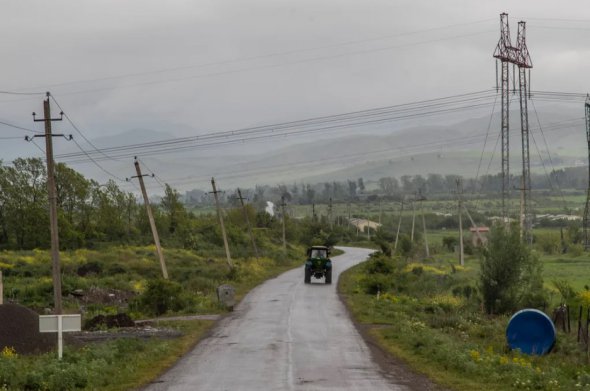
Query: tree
(174, 210)
(361, 185)
(352, 189)
(510, 274)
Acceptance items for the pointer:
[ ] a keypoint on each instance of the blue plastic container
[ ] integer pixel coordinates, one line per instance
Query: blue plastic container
(531, 331)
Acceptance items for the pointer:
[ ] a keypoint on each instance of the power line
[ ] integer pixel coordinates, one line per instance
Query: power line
(346, 120)
(271, 66)
(265, 56)
(235, 171)
(96, 163)
(79, 131)
(156, 177)
(19, 127)
(21, 93)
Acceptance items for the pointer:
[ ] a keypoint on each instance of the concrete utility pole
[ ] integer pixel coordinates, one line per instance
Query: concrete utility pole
(148, 208)
(52, 194)
(425, 234)
(413, 218)
(330, 213)
(219, 214)
(248, 223)
(284, 217)
(473, 225)
(399, 225)
(586, 220)
(460, 206)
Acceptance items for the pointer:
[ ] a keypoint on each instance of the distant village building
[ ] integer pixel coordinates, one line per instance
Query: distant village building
(481, 239)
(361, 224)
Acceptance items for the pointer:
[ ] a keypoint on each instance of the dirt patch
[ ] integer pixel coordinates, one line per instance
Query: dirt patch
(96, 295)
(109, 321)
(19, 329)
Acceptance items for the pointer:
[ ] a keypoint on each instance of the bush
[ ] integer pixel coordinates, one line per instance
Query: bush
(449, 242)
(161, 296)
(510, 274)
(379, 264)
(375, 283)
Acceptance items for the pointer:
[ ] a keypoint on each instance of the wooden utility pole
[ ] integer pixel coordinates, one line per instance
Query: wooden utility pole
(248, 223)
(399, 225)
(52, 195)
(413, 219)
(148, 208)
(220, 215)
(313, 215)
(473, 225)
(425, 233)
(284, 217)
(460, 206)
(368, 230)
(330, 213)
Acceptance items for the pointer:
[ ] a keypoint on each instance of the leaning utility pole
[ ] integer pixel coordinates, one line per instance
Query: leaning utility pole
(413, 218)
(424, 228)
(399, 225)
(460, 207)
(148, 208)
(52, 194)
(248, 223)
(219, 214)
(284, 217)
(587, 208)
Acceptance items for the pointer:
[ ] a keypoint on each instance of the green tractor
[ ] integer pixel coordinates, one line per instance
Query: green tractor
(318, 265)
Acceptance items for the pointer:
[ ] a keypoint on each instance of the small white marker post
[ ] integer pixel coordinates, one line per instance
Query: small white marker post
(60, 324)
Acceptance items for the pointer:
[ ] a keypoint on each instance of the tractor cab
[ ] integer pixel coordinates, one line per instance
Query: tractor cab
(318, 264)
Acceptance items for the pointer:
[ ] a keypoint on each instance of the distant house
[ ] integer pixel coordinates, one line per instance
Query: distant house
(362, 224)
(481, 239)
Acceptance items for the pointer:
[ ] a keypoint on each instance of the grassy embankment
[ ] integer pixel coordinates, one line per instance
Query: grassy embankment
(126, 272)
(429, 314)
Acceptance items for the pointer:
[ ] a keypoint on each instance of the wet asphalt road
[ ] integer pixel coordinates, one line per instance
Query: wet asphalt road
(284, 335)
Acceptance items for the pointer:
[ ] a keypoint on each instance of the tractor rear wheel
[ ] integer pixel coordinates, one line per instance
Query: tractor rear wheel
(329, 276)
(307, 278)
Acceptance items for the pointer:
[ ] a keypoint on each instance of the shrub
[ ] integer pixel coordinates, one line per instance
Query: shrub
(379, 264)
(161, 296)
(510, 274)
(449, 242)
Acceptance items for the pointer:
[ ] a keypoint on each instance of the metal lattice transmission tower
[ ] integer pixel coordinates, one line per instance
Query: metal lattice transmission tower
(587, 208)
(519, 56)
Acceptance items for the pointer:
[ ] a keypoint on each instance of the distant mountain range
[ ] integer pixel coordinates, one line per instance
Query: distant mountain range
(370, 153)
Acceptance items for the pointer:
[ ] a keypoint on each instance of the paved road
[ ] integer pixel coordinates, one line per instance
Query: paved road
(284, 335)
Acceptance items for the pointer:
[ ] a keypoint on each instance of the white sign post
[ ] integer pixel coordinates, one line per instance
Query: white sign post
(60, 324)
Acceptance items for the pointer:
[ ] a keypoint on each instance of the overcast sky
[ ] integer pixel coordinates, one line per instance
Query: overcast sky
(188, 67)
